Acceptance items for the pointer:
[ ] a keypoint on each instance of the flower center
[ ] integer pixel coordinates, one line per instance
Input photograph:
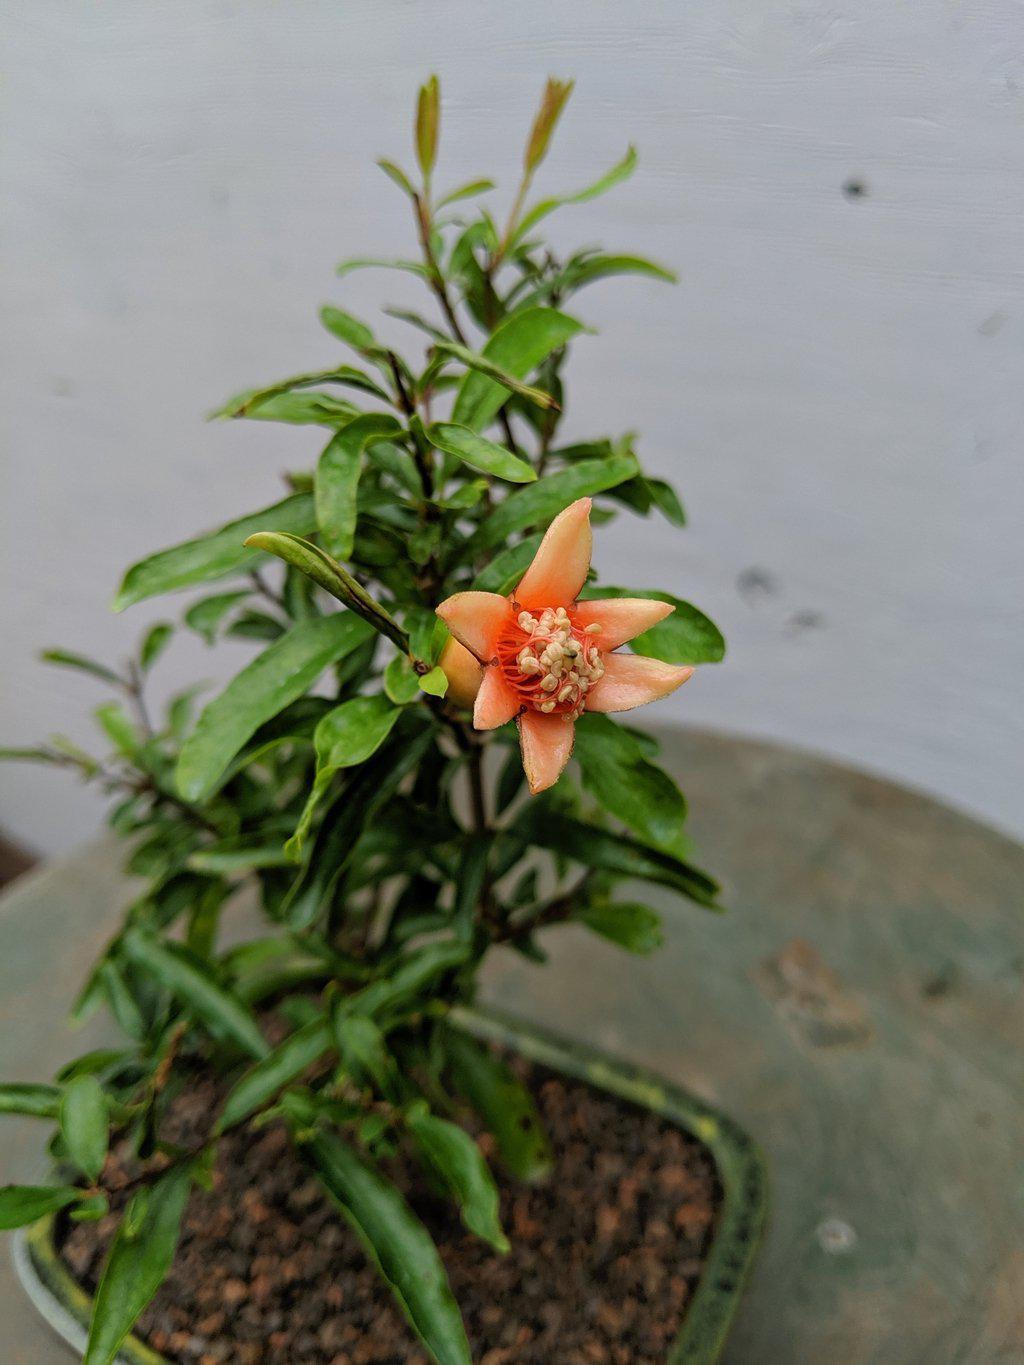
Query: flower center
(549, 661)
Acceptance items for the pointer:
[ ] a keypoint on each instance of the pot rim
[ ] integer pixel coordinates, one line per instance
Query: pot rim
(739, 1165)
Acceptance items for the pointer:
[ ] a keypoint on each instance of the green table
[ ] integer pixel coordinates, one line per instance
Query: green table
(860, 1010)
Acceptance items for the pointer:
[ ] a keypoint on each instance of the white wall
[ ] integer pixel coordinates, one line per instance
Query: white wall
(835, 384)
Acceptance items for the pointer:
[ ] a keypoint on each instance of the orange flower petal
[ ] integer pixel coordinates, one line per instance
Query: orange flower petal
(475, 618)
(559, 567)
(620, 618)
(546, 744)
(630, 680)
(496, 702)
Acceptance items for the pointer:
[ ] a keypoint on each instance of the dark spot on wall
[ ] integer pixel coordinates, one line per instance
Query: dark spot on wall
(855, 188)
(755, 584)
(995, 322)
(62, 387)
(802, 621)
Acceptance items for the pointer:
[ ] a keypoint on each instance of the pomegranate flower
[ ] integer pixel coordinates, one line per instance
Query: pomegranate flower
(547, 657)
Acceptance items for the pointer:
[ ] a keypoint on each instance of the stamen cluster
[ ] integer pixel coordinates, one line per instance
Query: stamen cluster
(551, 662)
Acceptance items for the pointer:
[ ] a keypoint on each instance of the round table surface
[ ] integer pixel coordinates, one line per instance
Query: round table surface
(859, 1010)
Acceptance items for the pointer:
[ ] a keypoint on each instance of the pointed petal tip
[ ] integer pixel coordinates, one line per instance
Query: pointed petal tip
(546, 744)
(560, 566)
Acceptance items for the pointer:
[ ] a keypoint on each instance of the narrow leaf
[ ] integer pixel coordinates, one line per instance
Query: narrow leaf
(39, 1101)
(84, 1124)
(156, 640)
(272, 1073)
(333, 577)
(214, 555)
(456, 1158)
(205, 616)
(552, 103)
(282, 673)
(337, 479)
(480, 453)
(636, 791)
(516, 348)
(66, 658)
(398, 1243)
(347, 328)
(428, 120)
(542, 501)
(619, 172)
(192, 982)
(139, 1260)
(633, 927)
(505, 1106)
(24, 1204)
(608, 852)
(346, 736)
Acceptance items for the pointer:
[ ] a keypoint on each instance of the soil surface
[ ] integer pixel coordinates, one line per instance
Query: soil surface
(604, 1257)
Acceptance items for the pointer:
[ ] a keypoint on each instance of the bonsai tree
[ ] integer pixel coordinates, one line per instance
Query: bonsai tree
(388, 777)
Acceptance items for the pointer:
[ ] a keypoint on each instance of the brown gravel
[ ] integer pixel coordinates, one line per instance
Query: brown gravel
(604, 1257)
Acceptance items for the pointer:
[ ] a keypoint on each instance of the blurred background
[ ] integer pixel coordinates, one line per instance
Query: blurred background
(834, 385)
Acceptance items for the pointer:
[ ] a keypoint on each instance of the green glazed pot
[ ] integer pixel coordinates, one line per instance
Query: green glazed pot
(738, 1164)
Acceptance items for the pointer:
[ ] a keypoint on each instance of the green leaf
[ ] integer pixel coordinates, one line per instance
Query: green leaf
(192, 982)
(552, 103)
(634, 790)
(84, 1124)
(23, 1204)
(347, 328)
(508, 566)
(467, 191)
(156, 640)
(277, 1069)
(578, 273)
(119, 728)
(346, 736)
(337, 479)
(480, 453)
(333, 577)
(428, 121)
(542, 501)
(39, 1101)
(381, 263)
(685, 637)
(91, 1209)
(667, 501)
(408, 979)
(435, 682)
(401, 681)
(604, 851)
(619, 172)
(215, 555)
(139, 1259)
(633, 927)
(34, 754)
(399, 1244)
(505, 1106)
(397, 176)
(481, 365)
(65, 658)
(456, 1158)
(230, 856)
(371, 786)
(516, 348)
(282, 673)
(300, 408)
(205, 616)
(242, 404)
